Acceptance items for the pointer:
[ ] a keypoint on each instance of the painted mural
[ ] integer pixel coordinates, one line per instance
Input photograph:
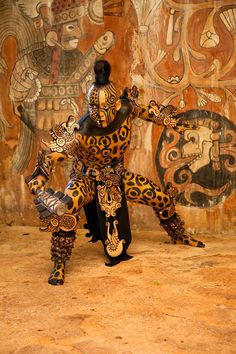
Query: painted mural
(189, 53)
(201, 164)
(51, 72)
(181, 52)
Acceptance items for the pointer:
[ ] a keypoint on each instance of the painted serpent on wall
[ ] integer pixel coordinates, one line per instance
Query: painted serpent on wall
(99, 181)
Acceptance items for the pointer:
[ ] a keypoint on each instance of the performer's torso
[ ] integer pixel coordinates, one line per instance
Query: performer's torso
(105, 146)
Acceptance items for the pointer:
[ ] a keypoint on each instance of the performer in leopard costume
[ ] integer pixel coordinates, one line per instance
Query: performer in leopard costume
(99, 181)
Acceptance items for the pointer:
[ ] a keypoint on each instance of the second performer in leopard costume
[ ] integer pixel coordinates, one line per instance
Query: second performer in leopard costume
(99, 181)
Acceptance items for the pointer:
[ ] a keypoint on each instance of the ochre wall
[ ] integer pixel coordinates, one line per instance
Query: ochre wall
(178, 52)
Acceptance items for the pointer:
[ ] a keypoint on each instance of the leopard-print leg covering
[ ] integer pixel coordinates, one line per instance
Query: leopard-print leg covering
(81, 189)
(62, 244)
(141, 190)
(57, 275)
(174, 226)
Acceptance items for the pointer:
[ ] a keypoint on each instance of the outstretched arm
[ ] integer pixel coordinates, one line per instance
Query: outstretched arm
(156, 113)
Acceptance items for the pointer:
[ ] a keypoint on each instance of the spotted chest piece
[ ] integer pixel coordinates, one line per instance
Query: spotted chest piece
(107, 149)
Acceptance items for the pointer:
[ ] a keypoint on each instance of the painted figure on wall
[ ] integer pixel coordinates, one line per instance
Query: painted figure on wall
(192, 65)
(51, 71)
(99, 181)
(201, 163)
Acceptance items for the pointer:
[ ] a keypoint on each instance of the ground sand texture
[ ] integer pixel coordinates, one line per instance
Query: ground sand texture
(169, 299)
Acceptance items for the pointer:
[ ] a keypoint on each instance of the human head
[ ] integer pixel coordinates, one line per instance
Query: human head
(66, 20)
(102, 96)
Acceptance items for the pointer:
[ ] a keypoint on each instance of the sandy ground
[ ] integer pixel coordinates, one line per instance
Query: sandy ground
(168, 299)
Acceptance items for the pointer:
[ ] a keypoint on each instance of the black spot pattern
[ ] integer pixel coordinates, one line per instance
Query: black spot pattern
(82, 190)
(140, 189)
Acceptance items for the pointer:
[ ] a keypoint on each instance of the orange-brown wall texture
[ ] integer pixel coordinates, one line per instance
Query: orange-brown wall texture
(181, 52)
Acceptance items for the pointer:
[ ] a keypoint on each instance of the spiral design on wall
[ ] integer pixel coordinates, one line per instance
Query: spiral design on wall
(201, 163)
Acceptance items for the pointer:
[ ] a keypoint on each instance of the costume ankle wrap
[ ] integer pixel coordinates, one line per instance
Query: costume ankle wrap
(62, 244)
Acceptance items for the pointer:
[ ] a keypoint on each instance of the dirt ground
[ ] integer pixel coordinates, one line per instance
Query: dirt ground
(169, 299)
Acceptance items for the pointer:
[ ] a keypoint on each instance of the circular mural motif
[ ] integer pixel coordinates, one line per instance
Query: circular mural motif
(200, 162)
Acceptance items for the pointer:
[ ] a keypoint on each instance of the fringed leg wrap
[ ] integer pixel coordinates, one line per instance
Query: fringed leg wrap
(62, 244)
(174, 226)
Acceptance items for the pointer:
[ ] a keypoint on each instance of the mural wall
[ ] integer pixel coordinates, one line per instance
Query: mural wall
(175, 51)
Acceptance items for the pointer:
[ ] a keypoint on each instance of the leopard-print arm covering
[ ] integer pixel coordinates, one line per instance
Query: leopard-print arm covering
(158, 114)
(39, 182)
(44, 165)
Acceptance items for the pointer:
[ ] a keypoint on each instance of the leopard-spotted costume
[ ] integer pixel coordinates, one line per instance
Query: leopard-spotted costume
(99, 182)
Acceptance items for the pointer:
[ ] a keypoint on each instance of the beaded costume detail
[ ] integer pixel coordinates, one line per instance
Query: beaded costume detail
(64, 138)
